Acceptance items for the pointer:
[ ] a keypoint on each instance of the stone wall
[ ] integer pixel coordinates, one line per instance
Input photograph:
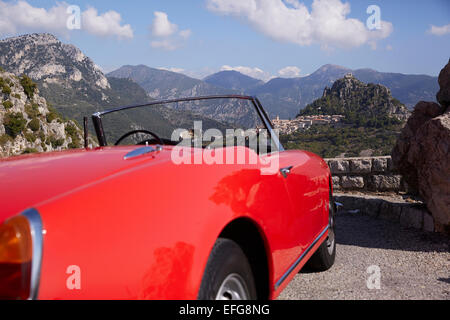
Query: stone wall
(372, 186)
(406, 212)
(375, 174)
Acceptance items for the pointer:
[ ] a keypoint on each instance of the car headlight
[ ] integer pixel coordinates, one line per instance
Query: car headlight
(20, 256)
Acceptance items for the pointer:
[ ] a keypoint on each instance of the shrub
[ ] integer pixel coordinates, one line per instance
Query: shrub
(30, 137)
(52, 115)
(7, 104)
(71, 130)
(17, 96)
(55, 142)
(6, 89)
(28, 86)
(14, 124)
(4, 139)
(74, 145)
(34, 124)
(32, 110)
(30, 150)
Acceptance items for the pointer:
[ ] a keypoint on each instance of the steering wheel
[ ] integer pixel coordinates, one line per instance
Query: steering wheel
(126, 135)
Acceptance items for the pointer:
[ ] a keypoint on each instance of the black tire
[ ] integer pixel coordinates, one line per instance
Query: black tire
(226, 260)
(323, 259)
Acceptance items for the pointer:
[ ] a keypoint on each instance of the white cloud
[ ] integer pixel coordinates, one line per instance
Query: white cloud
(289, 72)
(19, 17)
(166, 33)
(249, 71)
(254, 72)
(200, 73)
(107, 24)
(439, 31)
(185, 33)
(161, 26)
(177, 70)
(291, 21)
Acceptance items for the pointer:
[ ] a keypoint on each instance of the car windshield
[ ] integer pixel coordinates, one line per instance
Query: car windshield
(211, 122)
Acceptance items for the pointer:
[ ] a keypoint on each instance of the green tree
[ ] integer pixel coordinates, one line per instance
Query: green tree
(28, 85)
(34, 125)
(14, 124)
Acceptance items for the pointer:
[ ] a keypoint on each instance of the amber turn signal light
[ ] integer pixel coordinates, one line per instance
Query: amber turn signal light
(16, 249)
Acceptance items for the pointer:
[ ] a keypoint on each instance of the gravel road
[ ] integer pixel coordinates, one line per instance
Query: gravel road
(412, 264)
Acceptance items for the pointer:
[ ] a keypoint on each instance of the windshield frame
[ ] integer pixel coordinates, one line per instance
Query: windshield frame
(99, 130)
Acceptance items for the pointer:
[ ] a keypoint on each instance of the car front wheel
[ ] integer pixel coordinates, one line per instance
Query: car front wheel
(228, 275)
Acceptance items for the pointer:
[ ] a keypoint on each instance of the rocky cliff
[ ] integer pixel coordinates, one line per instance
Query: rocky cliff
(44, 58)
(351, 97)
(66, 77)
(422, 153)
(28, 124)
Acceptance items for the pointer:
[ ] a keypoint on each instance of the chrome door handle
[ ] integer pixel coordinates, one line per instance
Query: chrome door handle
(286, 171)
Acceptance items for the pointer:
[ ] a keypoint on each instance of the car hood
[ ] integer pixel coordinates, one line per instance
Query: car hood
(27, 181)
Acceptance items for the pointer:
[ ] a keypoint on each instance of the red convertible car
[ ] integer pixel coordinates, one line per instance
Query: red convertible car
(190, 198)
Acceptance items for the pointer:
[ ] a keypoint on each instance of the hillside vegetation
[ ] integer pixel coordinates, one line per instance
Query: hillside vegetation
(28, 124)
(373, 120)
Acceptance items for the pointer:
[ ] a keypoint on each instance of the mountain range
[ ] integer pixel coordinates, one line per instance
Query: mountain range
(285, 97)
(75, 86)
(163, 84)
(282, 97)
(233, 80)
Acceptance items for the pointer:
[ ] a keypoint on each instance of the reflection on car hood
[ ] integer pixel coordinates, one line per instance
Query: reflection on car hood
(32, 179)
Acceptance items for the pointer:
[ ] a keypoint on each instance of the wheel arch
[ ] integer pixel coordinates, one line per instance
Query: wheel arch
(249, 236)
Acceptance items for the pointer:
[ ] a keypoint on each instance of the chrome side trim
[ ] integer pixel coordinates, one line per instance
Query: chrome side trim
(297, 262)
(139, 152)
(36, 235)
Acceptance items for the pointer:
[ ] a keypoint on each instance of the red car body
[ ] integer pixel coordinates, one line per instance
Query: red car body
(144, 228)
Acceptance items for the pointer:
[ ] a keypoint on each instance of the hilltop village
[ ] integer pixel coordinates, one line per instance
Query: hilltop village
(305, 122)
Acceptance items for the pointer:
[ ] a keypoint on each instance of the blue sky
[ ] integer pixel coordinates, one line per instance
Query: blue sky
(267, 39)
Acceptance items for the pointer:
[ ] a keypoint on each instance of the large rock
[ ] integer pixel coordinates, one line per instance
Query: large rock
(406, 153)
(443, 95)
(422, 153)
(433, 148)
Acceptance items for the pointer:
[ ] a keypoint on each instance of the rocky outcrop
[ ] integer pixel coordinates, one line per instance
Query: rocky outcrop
(350, 97)
(27, 124)
(44, 58)
(443, 96)
(422, 151)
(66, 77)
